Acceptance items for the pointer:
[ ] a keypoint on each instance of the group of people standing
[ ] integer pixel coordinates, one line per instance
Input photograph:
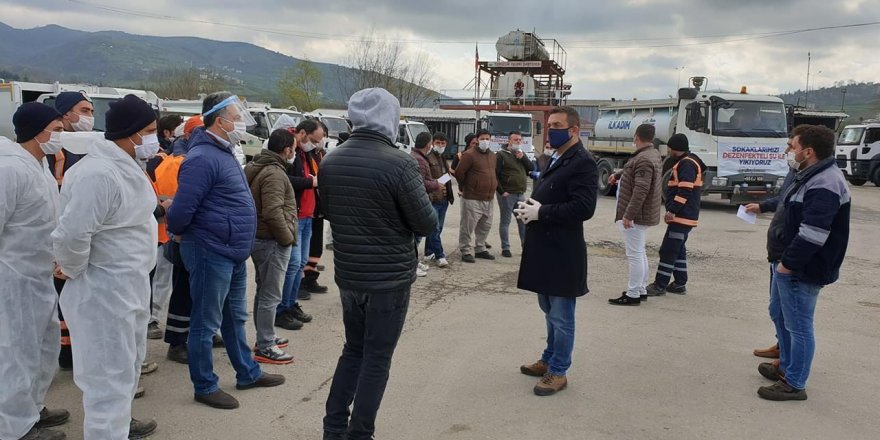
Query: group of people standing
(100, 236)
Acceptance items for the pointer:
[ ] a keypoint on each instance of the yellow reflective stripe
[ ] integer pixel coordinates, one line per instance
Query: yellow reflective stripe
(688, 185)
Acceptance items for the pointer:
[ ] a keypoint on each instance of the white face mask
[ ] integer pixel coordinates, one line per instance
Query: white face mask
(237, 134)
(548, 152)
(515, 147)
(793, 163)
(85, 123)
(308, 146)
(53, 145)
(439, 150)
(148, 148)
(484, 145)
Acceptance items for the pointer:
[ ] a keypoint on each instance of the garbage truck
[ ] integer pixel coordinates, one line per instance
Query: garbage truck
(741, 137)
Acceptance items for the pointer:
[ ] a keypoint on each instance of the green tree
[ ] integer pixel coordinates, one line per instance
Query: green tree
(300, 85)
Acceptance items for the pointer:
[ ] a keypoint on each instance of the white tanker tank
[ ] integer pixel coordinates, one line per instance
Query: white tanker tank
(622, 124)
(521, 46)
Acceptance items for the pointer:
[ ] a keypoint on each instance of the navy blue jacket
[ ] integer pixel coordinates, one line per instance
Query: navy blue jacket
(683, 190)
(554, 256)
(213, 205)
(816, 210)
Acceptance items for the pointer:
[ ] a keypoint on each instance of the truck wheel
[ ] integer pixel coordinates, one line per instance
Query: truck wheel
(858, 182)
(605, 171)
(876, 178)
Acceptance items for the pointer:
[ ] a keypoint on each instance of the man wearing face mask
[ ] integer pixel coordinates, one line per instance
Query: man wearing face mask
(806, 243)
(215, 220)
(77, 116)
(477, 179)
(28, 324)
(541, 161)
(682, 214)
(302, 173)
(440, 200)
(554, 260)
(512, 172)
(105, 245)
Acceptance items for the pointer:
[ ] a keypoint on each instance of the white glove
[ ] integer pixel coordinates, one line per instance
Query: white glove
(528, 211)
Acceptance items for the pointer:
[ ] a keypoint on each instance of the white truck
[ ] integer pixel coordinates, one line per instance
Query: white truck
(858, 153)
(501, 124)
(406, 136)
(15, 93)
(742, 138)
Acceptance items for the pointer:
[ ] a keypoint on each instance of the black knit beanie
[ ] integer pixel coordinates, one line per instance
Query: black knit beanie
(31, 118)
(127, 116)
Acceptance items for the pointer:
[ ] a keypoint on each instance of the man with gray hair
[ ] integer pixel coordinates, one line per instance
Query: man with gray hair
(375, 199)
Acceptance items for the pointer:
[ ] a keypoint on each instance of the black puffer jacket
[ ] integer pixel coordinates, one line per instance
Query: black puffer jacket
(375, 199)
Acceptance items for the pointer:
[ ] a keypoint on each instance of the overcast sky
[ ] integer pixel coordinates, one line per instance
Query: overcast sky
(448, 31)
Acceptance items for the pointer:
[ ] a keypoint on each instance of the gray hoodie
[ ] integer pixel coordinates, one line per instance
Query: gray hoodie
(375, 109)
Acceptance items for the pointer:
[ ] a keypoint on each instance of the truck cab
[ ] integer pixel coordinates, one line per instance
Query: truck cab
(858, 153)
(407, 132)
(500, 125)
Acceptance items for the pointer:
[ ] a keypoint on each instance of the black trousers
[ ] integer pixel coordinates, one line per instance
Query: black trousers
(316, 246)
(673, 256)
(373, 323)
(179, 307)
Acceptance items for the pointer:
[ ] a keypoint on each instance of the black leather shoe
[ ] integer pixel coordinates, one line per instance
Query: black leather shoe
(298, 314)
(485, 255)
(52, 417)
(781, 391)
(506, 253)
(44, 434)
(468, 258)
(267, 380)
(624, 300)
(217, 341)
(178, 353)
(288, 322)
(768, 370)
(218, 399)
(654, 290)
(676, 289)
(141, 429)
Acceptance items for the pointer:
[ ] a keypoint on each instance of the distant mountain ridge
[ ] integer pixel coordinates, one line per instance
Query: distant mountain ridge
(861, 100)
(55, 53)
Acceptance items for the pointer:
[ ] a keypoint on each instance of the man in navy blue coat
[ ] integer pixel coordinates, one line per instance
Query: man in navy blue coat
(215, 220)
(554, 260)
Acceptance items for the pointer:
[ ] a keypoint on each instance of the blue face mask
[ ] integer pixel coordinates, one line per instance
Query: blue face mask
(557, 137)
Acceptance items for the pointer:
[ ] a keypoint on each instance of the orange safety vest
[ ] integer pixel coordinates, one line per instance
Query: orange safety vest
(59, 167)
(674, 182)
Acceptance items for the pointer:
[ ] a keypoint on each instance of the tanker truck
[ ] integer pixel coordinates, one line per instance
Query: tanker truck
(742, 138)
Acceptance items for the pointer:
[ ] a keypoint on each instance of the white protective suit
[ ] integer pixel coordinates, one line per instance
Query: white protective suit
(106, 243)
(29, 335)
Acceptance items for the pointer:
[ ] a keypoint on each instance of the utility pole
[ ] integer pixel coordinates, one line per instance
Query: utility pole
(842, 98)
(807, 89)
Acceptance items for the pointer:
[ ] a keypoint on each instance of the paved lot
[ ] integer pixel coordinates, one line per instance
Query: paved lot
(678, 367)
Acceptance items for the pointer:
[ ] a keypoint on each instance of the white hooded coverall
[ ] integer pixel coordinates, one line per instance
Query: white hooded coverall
(106, 243)
(29, 333)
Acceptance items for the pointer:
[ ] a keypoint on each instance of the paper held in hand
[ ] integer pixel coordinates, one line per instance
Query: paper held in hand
(746, 216)
(444, 178)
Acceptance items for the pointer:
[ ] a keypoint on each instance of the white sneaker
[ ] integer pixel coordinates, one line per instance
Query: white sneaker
(421, 273)
(423, 267)
(428, 258)
(441, 262)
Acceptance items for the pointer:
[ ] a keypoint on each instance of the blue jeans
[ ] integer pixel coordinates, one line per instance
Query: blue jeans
(299, 256)
(433, 246)
(373, 323)
(559, 313)
(218, 287)
(792, 306)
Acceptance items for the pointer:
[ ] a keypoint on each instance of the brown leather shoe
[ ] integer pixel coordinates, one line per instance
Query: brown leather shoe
(771, 352)
(538, 369)
(550, 384)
